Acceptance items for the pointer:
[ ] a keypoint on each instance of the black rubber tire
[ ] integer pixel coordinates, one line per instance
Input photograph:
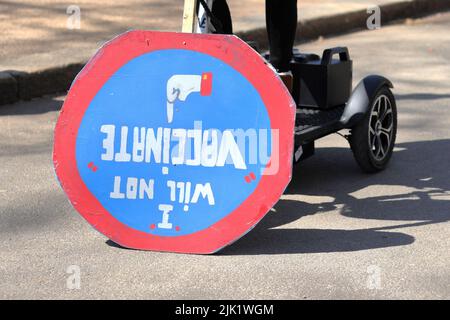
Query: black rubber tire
(359, 141)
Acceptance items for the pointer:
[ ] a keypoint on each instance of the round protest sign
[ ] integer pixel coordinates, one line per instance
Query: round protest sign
(175, 142)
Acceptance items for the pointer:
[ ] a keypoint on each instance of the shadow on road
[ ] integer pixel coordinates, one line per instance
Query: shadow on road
(415, 190)
(41, 105)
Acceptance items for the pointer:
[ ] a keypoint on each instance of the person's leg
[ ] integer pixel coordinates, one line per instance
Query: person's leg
(281, 21)
(221, 11)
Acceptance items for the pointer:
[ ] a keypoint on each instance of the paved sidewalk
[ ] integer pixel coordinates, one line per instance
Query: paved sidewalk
(34, 33)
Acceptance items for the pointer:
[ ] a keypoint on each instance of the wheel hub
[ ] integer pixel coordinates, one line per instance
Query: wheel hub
(381, 127)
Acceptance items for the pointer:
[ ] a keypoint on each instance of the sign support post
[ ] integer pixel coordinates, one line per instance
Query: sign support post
(189, 16)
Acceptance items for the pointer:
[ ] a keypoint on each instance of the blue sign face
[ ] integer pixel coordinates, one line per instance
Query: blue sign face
(173, 142)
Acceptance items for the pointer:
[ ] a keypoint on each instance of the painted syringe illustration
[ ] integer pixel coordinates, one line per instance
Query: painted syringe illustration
(180, 86)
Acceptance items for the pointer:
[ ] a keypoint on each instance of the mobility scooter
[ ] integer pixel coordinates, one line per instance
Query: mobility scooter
(322, 90)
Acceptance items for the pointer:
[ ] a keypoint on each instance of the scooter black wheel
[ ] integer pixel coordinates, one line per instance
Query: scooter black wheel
(372, 140)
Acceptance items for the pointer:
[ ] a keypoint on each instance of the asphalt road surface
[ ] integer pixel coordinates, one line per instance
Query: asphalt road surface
(336, 233)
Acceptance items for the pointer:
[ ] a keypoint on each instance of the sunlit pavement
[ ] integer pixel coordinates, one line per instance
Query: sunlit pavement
(40, 34)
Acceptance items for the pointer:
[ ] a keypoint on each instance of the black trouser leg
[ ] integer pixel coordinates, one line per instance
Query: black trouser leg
(221, 11)
(281, 21)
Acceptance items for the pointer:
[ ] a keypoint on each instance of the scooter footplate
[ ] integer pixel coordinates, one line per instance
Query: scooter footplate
(312, 124)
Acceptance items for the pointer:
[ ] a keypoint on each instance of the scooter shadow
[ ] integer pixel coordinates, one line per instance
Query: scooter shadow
(414, 190)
